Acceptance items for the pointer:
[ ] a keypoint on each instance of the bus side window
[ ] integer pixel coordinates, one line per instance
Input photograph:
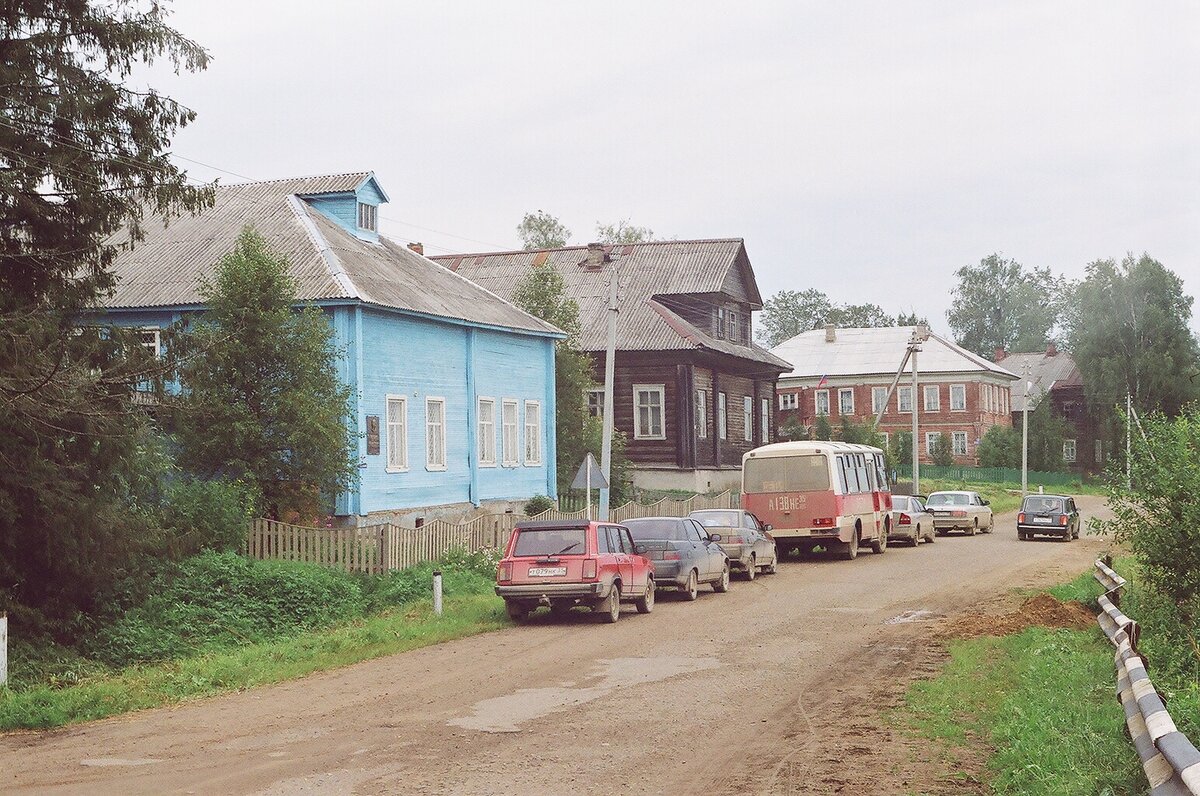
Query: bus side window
(869, 472)
(841, 462)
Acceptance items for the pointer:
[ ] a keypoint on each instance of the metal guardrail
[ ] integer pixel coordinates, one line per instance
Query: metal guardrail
(1170, 760)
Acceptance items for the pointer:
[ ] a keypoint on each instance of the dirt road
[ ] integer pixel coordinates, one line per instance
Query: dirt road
(774, 687)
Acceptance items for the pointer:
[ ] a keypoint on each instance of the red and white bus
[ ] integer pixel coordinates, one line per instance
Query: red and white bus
(830, 494)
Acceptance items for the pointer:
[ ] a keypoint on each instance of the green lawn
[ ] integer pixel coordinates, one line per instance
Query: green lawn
(99, 694)
(1041, 702)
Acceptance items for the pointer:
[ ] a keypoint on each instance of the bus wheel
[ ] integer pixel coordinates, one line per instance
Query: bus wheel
(850, 548)
(879, 544)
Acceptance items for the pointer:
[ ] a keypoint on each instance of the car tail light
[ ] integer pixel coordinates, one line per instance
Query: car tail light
(589, 569)
(734, 539)
(504, 575)
(671, 555)
(823, 522)
(1021, 517)
(905, 519)
(1062, 520)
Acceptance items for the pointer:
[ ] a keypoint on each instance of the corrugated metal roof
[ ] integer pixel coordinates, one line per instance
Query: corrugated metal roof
(644, 270)
(860, 352)
(327, 262)
(1045, 371)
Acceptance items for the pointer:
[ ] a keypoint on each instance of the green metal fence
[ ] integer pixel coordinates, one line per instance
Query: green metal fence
(988, 475)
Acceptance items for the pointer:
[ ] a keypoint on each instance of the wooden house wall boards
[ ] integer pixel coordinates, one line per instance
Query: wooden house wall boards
(453, 386)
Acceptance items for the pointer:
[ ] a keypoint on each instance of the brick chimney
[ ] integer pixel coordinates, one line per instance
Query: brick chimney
(418, 247)
(1051, 349)
(1000, 354)
(830, 333)
(596, 257)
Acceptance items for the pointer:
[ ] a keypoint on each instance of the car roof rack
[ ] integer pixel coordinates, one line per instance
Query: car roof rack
(555, 524)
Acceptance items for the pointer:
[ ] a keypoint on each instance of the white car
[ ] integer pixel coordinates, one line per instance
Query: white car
(911, 521)
(962, 511)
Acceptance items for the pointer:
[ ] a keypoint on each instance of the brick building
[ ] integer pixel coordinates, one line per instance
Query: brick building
(845, 373)
(1055, 375)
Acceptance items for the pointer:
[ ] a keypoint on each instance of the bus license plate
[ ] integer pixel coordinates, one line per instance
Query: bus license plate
(547, 572)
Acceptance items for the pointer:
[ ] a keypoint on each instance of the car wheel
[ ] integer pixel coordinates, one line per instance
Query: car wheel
(988, 529)
(611, 608)
(879, 545)
(516, 611)
(721, 585)
(752, 568)
(929, 537)
(973, 529)
(850, 548)
(691, 590)
(645, 604)
(773, 567)
(1067, 535)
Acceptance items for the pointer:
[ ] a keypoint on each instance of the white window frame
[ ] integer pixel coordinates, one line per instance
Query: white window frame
(764, 420)
(936, 405)
(368, 217)
(722, 415)
(397, 455)
(431, 401)
(596, 409)
(533, 435)
(842, 393)
(878, 399)
(154, 344)
(962, 391)
(1073, 447)
(818, 395)
(930, 436)
(701, 414)
(731, 320)
(486, 431)
(510, 433)
(955, 448)
(900, 393)
(887, 439)
(648, 433)
(789, 400)
(748, 418)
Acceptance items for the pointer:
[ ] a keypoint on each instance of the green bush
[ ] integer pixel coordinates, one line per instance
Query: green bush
(216, 600)
(537, 504)
(208, 515)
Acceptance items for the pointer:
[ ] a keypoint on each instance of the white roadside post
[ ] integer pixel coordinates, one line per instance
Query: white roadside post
(3, 649)
(587, 476)
(437, 592)
(916, 448)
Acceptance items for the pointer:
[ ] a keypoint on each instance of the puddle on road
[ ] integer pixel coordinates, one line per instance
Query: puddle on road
(913, 616)
(507, 713)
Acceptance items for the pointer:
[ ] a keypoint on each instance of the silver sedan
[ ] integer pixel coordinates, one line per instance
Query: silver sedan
(744, 539)
(910, 521)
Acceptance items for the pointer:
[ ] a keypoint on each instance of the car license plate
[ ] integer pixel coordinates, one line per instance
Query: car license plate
(1042, 520)
(547, 572)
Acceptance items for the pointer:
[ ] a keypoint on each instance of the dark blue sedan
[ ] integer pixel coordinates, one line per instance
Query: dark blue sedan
(683, 554)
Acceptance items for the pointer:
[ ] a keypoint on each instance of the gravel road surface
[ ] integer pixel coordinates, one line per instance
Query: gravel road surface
(774, 687)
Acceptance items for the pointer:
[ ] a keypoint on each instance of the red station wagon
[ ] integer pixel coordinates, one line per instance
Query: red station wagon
(564, 563)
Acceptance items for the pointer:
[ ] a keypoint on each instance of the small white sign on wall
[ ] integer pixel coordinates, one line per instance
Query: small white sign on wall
(3, 649)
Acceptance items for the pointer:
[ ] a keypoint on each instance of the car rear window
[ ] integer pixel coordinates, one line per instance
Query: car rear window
(899, 503)
(550, 542)
(717, 519)
(948, 500)
(644, 530)
(1044, 504)
(787, 474)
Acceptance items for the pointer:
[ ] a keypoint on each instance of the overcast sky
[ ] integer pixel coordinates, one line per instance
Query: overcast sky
(865, 149)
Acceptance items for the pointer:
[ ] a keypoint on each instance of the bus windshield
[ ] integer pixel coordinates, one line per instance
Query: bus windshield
(805, 473)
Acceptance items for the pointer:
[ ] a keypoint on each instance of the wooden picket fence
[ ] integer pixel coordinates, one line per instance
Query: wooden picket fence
(386, 546)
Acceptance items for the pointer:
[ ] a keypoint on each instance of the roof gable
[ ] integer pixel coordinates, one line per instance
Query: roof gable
(645, 271)
(877, 351)
(327, 262)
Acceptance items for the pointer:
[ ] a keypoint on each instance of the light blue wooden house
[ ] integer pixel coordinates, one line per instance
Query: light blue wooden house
(453, 386)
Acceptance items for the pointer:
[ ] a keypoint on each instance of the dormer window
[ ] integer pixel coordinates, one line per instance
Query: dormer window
(368, 217)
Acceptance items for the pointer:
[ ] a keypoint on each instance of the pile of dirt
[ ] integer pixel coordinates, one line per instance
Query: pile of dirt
(1042, 610)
